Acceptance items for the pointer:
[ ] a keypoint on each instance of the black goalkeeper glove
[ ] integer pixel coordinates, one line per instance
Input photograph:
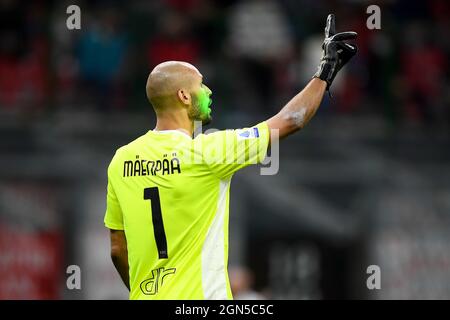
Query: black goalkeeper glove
(335, 52)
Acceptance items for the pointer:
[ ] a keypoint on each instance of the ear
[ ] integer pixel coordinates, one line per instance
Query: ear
(184, 96)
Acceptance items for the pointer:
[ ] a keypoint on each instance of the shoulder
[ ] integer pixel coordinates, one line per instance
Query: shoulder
(241, 133)
(126, 150)
(213, 133)
(131, 146)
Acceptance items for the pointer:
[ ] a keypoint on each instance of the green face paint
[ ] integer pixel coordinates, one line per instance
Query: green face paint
(204, 101)
(201, 103)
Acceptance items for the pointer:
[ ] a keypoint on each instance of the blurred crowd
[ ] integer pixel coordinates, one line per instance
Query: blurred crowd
(254, 54)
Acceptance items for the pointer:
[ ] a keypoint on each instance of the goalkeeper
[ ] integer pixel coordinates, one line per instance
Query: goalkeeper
(168, 217)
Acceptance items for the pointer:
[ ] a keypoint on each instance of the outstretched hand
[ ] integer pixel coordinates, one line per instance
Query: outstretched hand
(335, 51)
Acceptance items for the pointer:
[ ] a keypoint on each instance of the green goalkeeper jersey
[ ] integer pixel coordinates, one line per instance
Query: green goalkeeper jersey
(170, 194)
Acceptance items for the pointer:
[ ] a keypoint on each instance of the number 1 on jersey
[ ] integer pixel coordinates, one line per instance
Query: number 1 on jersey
(152, 194)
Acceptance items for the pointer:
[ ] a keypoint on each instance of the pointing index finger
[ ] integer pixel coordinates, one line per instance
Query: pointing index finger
(330, 28)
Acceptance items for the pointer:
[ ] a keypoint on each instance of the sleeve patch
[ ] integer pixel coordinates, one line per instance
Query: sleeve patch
(248, 133)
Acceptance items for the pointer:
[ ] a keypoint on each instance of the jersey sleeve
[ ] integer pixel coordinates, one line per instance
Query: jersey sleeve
(228, 151)
(113, 216)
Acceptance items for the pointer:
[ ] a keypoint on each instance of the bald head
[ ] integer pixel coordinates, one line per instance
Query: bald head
(167, 79)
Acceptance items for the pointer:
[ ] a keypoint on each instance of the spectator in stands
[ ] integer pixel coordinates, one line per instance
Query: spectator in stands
(261, 42)
(241, 282)
(174, 41)
(102, 52)
(423, 72)
(23, 56)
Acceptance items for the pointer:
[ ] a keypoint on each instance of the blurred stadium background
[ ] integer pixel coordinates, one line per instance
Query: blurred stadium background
(366, 183)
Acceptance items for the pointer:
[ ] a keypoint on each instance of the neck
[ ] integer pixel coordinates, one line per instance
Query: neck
(175, 121)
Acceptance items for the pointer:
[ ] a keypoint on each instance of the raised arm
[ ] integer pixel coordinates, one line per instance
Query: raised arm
(301, 108)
